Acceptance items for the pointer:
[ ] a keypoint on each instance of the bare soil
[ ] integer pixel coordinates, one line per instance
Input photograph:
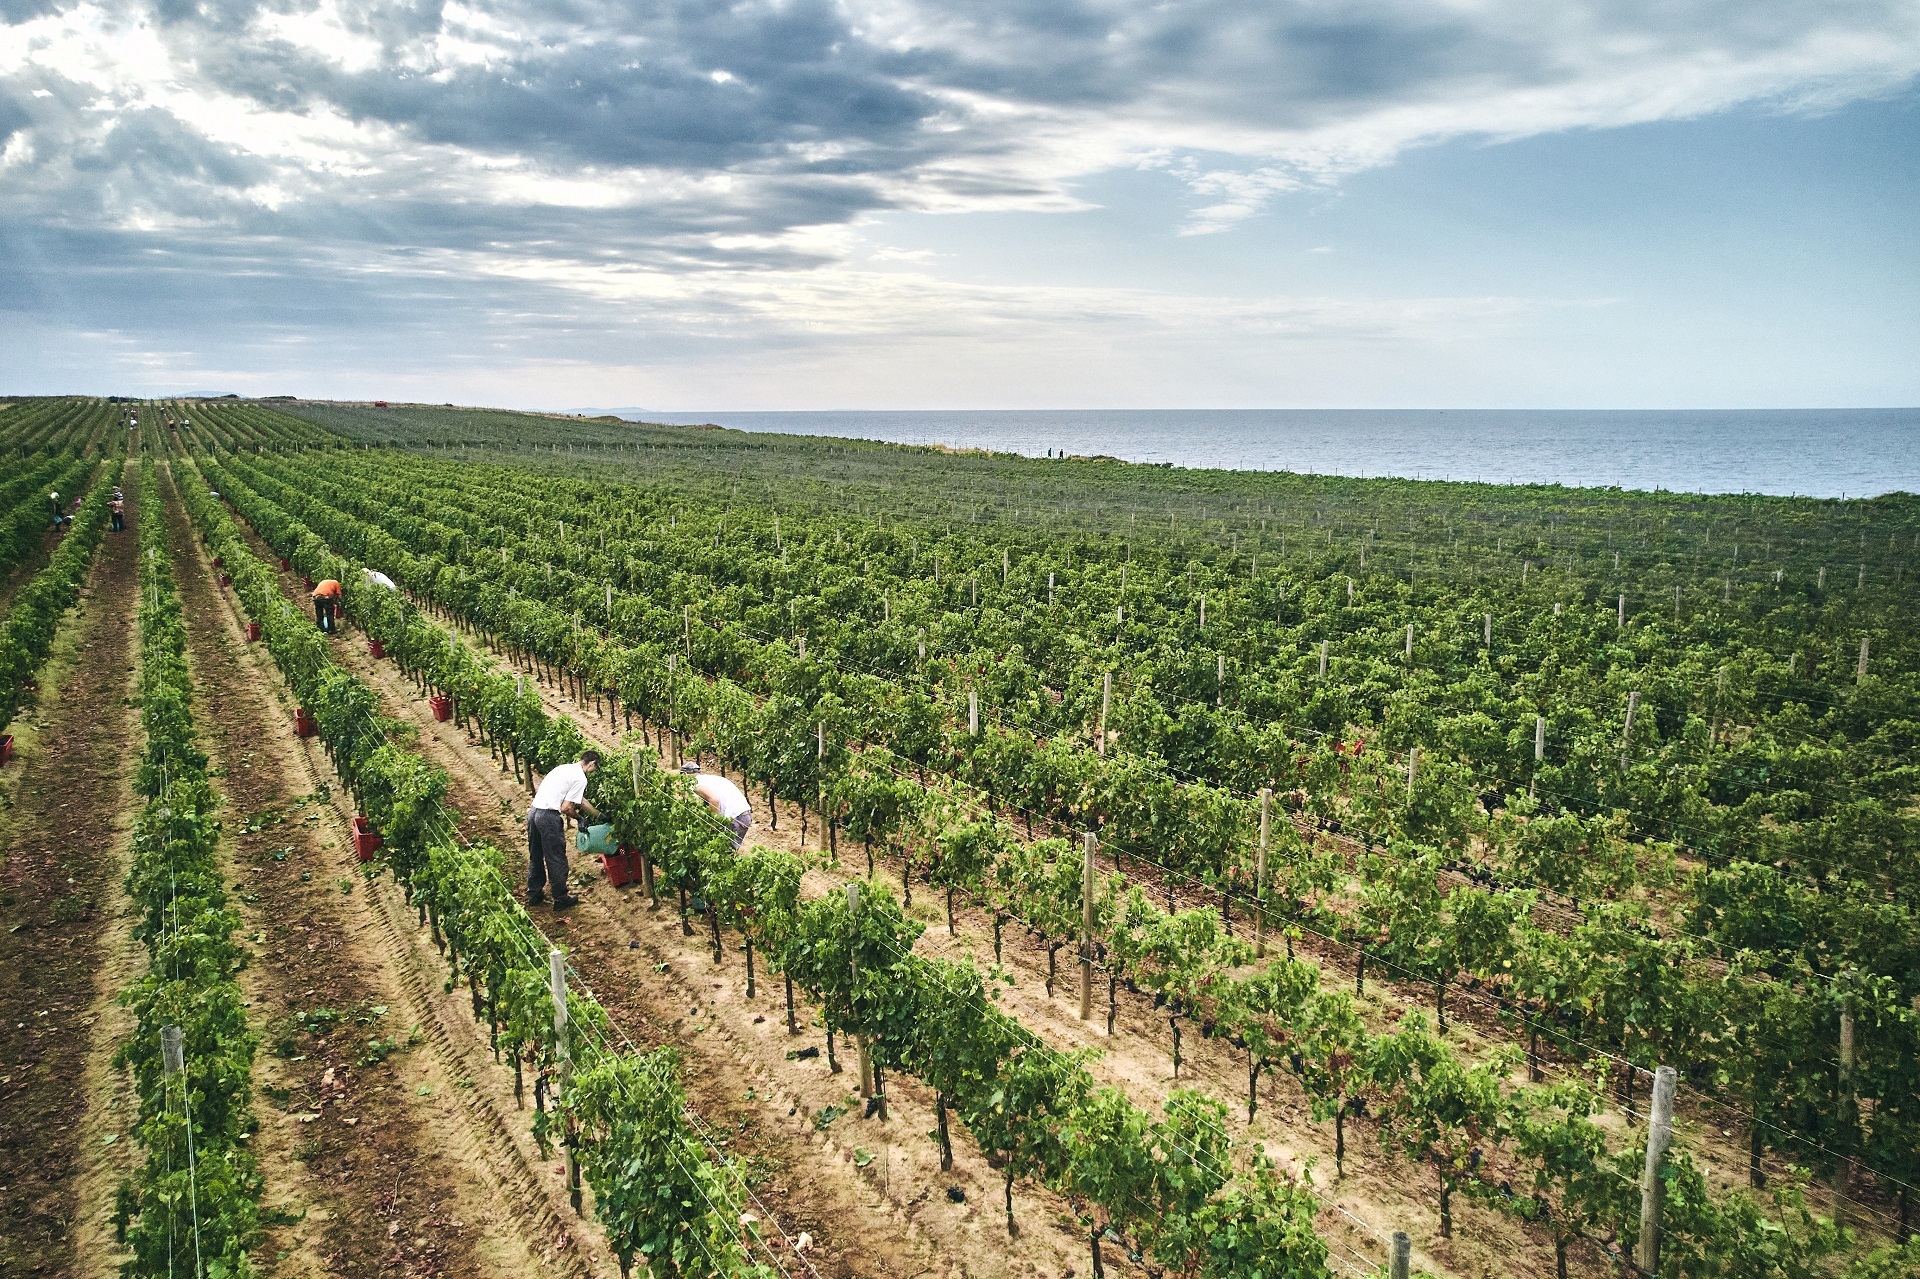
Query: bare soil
(376, 1139)
(866, 1194)
(66, 945)
(1379, 1191)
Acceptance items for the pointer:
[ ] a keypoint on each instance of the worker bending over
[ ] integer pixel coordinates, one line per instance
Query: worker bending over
(724, 798)
(562, 794)
(326, 604)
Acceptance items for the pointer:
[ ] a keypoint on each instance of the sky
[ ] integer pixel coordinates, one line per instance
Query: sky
(897, 204)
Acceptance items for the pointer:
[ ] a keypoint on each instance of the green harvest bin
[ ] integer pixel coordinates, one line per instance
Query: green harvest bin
(595, 839)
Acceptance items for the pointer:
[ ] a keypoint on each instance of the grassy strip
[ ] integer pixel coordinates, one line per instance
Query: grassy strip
(1177, 1183)
(26, 635)
(1279, 1015)
(661, 1189)
(195, 1201)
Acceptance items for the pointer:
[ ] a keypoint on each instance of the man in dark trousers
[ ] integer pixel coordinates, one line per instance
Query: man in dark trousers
(562, 794)
(326, 604)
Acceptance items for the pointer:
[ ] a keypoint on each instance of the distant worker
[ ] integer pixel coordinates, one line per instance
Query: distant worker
(326, 604)
(53, 500)
(562, 794)
(119, 508)
(724, 798)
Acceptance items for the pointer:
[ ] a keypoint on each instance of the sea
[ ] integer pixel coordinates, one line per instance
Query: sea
(1800, 452)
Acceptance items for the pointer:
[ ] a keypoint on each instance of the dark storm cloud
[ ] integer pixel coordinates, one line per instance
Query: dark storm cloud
(607, 85)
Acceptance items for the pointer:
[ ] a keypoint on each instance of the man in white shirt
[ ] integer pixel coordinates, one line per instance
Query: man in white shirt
(562, 794)
(724, 798)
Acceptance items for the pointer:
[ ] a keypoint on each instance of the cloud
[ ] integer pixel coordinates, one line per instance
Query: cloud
(707, 164)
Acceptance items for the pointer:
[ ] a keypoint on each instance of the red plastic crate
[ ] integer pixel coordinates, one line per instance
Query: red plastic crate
(366, 840)
(253, 631)
(219, 562)
(622, 868)
(442, 707)
(308, 582)
(6, 747)
(225, 580)
(375, 649)
(303, 725)
(284, 566)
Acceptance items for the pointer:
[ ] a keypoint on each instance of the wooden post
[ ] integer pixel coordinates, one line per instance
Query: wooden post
(1486, 637)
(1823, 577)
(1659, 1135)
(1005, 566)
(1260, 878)
(673, 699)
(1860, 673)
(563, 1054)
(853, 956)
(1676, 603)
(973, 712)
(1049, 590)
(1409, 643)
(1203, 612)
(1220, 679)
(1089, 843)
(1401, 1264)
(1413, 763)
(1106, 701)
(1323, 658)
(1626, 730)
(1622, 622)
(1843, 1176)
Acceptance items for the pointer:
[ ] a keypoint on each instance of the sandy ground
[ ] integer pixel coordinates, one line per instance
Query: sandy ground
(377, 1136)
(1379, 1192)
(67, 942)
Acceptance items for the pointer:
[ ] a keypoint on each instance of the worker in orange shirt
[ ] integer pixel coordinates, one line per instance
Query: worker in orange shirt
(326, 604)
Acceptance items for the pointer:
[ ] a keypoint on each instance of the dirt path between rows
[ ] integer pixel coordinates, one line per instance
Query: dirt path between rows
(867, 1193)
(68, 947)
(1379, 1192)
(377, 1136)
